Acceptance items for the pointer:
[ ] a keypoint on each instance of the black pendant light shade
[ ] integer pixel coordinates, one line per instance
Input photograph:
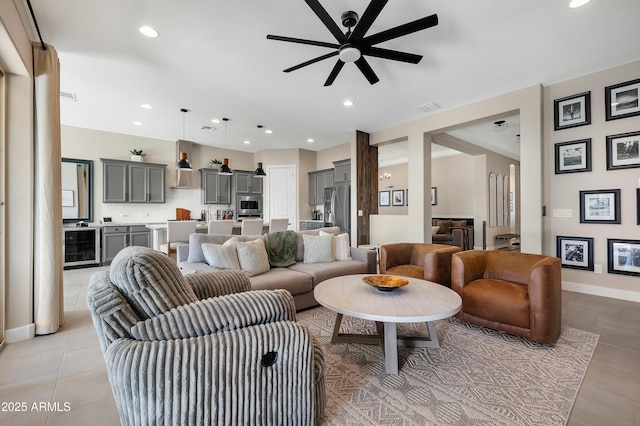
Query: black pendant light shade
(225, 169)
(184, 164)
(260, 171)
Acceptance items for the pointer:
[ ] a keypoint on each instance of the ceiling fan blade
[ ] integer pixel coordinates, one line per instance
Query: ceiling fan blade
(402, 30)
(328, 22)
(366, 70)
(394, 55)
(370, 15)
(303, 41)
(312, 61)
(334, 73)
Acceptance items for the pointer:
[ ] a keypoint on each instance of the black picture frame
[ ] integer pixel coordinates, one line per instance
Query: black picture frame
(600, 206)
(637, 206)
(575, 252)
(623, 151)
(384, 198)
(623, 257)
(573, 156)
(572, 111)
(622, 100)
(434, 196)
(397, 197)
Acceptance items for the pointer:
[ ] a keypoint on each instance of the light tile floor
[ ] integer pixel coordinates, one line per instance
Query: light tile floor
(66, 370)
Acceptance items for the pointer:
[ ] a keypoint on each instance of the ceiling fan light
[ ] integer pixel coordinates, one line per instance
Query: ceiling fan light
(224, 169)
(578, 3)
(349, 53)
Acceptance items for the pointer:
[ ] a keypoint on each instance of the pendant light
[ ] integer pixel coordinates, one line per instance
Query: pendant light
(183, 164)
(259, 173)
(224, 169)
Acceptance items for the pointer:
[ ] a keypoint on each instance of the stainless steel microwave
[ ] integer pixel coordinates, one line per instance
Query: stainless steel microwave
(249, 205)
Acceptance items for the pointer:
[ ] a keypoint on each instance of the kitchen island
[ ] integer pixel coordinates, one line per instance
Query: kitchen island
(159, 231)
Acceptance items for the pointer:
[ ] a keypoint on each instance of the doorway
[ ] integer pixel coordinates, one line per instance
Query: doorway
(2, 212)
(283, 198)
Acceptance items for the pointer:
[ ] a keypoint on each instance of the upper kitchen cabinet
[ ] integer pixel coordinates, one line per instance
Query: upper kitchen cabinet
(247, 182)
(216, 189)
(318, 181)
(342, 171)
(132, 182)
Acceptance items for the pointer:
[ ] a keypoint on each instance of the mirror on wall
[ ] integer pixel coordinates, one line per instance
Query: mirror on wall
(77, 190)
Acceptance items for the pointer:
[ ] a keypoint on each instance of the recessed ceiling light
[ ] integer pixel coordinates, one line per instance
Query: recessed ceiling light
(348, 103)
(577, 3)
(137, 123)
(215, 120)
(146, 106)
(148, 31)
(268, 131)
(247, 142)
(310, 140)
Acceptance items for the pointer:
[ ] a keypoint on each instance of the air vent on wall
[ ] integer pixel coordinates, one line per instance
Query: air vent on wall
(68, 96)
(205, 127)
(428, 107)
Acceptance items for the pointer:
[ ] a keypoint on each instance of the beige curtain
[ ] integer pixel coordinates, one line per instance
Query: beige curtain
(48, 290)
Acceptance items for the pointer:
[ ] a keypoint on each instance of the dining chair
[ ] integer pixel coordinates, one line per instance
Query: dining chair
(278, 224)
(223, 227)
(178, 232)
(252, 227)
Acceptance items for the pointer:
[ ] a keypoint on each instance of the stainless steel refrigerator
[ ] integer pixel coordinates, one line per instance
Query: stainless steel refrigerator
(337, 207)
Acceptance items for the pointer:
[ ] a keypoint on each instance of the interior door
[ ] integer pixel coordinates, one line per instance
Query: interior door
(2, 213)
(282, 194)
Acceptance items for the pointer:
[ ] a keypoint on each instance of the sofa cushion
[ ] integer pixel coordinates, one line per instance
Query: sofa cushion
(196, 240)
(434, 230)
(334, 230)
(323, 271)
(149, 280)
(253, 257)
(223, 256)
(497, 300)
(293, 281)
(341, 246)
(318, 248)
(415, 271)
(445, 226)
(459, 223)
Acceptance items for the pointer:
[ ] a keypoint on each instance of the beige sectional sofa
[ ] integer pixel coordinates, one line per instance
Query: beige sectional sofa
(299, 278)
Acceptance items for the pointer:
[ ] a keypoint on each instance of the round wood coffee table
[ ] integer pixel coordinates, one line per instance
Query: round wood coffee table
(418, 301)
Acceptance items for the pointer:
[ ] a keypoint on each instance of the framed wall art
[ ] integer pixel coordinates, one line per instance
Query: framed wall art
(572, 111)
(637, 206)
(575, 252)
(622, 100)
(623, 257)
(623, 151)
(384, 199)
(602, 206)
(398, 197)
(573, 156)
(434, 196)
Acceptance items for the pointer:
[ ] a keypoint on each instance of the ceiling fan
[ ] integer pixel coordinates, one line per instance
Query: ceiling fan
(353, 46)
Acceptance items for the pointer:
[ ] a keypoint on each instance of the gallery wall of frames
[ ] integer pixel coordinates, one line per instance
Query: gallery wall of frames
(592, 172)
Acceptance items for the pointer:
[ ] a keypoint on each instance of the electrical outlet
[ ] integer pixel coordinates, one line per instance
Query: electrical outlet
(360, 213)
(597, 269)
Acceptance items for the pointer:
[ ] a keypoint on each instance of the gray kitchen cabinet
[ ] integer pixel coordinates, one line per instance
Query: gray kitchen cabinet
(115, 238)
(342, 171)
(216, 189)
(132, 182)
(318, 181)
(247, 183)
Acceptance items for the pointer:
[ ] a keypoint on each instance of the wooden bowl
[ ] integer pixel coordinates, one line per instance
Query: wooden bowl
(385, 282)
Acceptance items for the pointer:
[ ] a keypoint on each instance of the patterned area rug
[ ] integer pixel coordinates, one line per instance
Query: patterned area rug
(477, 376)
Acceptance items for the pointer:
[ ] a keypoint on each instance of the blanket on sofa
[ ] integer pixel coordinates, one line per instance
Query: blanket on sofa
(281, 248)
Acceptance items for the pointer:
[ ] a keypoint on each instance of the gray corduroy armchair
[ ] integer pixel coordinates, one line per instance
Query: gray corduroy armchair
(202, 349)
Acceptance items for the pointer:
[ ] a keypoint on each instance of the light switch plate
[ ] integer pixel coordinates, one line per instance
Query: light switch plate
(562, 213)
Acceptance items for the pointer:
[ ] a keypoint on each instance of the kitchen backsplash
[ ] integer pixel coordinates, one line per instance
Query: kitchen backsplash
(190, 199)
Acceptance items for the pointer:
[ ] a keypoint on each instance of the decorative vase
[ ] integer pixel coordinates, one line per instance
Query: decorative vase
(138, 158)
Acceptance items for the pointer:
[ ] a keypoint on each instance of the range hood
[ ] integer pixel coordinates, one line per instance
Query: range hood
(183, 177)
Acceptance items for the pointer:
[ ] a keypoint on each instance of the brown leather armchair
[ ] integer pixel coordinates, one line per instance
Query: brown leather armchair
(431, 262)
(517, 293)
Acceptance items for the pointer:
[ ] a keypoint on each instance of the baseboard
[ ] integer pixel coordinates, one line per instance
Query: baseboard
(21, 333)
(631, 296)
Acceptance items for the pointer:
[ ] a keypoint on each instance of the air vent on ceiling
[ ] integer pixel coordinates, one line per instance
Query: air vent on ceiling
(205, 127)
(428, 107)
(68, 96)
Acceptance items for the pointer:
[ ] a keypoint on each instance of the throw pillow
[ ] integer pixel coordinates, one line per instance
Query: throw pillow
(281, 248)
(318, 248)
(434, 230)
(223, 256)
(253, 257)
(445, 226)
(341, 246)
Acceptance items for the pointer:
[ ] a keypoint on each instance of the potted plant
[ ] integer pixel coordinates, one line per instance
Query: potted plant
(215, 162)
(137, 155)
